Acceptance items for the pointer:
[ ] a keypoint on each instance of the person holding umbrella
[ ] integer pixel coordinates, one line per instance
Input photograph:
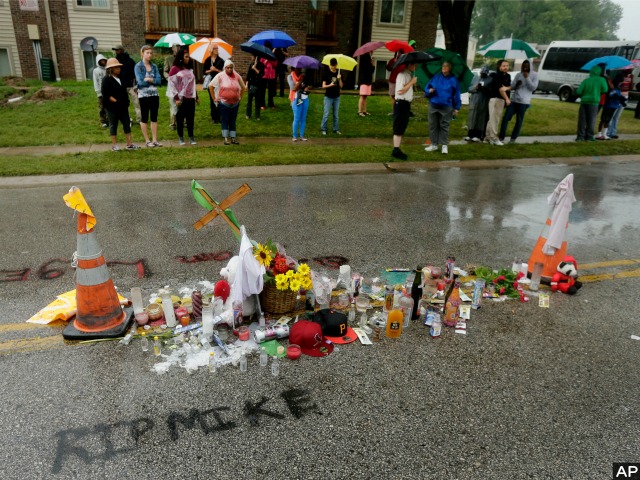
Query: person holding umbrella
(213, 65)
(589, 93)
(367, 67)
(522, 87)
(443, 93)
(332, 83)
(402, 107)
(254, 77)
(227, 90)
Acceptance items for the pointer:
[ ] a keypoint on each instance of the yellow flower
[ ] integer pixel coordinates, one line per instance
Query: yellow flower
(282, 282)
(304, 269)
(263, 255)
(289, 274)
(295, 285)
(307, 283)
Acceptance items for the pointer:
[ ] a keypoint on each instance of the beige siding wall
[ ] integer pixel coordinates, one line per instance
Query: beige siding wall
(8, 37)
(383, 32)
(101, 23)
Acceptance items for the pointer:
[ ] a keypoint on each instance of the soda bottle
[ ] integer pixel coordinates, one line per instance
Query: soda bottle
(416, 293)
(452, 306)
(144, 342)
(394, 324)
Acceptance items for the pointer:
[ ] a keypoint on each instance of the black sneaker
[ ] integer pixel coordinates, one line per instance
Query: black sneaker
(399, 154)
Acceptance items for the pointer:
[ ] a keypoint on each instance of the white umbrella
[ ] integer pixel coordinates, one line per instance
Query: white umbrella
(560, 202)
(511, 48)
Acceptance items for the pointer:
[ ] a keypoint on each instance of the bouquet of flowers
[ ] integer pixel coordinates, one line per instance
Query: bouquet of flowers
(282, 270)
(506, 282)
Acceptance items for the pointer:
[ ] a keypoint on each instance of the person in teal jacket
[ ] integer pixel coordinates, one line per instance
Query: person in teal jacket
(589, 93)
(443, 93)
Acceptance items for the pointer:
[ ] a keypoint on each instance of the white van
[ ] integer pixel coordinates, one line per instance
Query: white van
(560, 68)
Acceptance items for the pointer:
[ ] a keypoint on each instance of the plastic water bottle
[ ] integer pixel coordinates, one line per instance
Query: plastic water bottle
(204, 342)
(352, 314)
(261, 321)
(275, 367)
(264, 358)
(144, 342)
(156, 346)
(212, 362)
(243, 362)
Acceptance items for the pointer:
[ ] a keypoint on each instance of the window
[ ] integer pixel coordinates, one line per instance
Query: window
(93, 3)
(392, 11)
(5, 64)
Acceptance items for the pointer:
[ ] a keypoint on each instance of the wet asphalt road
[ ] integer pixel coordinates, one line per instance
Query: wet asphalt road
(529, 392)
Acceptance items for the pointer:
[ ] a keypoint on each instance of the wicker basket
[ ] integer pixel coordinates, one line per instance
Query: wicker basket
(273, 300)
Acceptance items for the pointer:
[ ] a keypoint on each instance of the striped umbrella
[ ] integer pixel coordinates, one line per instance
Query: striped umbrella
(511, 48)
(172, 39)
(201, 50)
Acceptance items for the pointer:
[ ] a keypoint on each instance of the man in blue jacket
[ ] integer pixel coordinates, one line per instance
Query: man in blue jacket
(443, 93)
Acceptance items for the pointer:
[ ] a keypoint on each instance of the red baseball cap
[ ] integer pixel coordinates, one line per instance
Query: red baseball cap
(309, 336)
(334, 326)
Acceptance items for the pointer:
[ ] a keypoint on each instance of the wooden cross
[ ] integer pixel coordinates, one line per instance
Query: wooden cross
(219, 208)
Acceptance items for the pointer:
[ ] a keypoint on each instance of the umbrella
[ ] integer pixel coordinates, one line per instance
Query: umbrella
(459, 68)
(344, 62)
(367, 48)
(416, 57)
(395, 45)
(276, 38)
(302, 61)
(201, 50)
(257, 50)
(508, 48)
(172, 39)
(611, 62)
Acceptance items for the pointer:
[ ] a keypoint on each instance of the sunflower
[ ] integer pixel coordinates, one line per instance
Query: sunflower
(295, 285)
(304, 269)
(282, 282)
(263, 255)
(307, 283)
(289, 274)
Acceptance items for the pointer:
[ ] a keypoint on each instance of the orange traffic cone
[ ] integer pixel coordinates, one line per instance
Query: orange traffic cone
(98, 314)
(551, 247)
(549, 262)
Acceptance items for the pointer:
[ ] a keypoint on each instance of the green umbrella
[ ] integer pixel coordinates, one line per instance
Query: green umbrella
(508, 48)
(459, 68)
(172, 39)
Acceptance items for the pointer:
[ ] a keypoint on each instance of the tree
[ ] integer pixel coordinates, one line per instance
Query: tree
(542, 21)
(455, 18)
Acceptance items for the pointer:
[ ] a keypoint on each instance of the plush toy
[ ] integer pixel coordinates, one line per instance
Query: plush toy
(565, 279)
(228, 273)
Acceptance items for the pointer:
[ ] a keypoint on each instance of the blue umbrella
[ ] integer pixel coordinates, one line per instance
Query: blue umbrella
(257, 50)
(276, 38)
(611, 62)
(303, 61)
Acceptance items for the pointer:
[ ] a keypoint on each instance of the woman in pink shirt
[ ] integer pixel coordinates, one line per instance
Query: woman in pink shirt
(226, 90)
(182, 87)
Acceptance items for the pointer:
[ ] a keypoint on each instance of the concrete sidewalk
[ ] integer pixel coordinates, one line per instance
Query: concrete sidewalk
(324, 141)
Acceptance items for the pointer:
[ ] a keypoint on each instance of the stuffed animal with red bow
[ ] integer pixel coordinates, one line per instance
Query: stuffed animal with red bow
(565, 279)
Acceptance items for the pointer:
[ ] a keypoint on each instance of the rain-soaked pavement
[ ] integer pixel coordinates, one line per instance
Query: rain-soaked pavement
(529, 392)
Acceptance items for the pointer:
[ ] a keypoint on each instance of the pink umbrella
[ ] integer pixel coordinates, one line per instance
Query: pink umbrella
(367, 48)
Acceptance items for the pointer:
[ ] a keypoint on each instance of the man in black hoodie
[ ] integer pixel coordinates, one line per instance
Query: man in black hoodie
(128, 78)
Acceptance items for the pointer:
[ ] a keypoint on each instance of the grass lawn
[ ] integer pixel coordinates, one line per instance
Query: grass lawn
(74, 120)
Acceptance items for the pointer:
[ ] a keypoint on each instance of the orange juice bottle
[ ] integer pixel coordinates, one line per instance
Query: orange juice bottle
(394, 323)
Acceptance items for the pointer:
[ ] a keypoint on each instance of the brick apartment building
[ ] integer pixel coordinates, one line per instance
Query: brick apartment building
(42, 38)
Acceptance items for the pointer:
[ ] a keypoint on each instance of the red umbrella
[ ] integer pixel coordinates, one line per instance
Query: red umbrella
(367, 48)
(395, 45)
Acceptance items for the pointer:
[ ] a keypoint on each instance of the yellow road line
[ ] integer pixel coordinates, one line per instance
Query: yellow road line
(31, 344)
(16, 327)
(609, 276)
(612, 263)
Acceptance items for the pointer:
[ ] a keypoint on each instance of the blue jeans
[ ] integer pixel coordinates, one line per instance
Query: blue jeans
(228, 116)
(330, 103)
(519, 110)
(299, 116)
(613, 123)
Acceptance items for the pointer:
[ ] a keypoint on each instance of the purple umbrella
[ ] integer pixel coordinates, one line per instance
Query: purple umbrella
(368, 47)
(302, 61)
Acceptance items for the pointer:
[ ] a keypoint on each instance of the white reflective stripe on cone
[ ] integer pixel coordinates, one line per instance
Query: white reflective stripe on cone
(92, 276)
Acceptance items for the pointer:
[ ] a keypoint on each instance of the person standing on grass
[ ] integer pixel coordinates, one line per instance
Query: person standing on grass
(299, 98)
(227, 90)
(148, 80)
(332, 83)
(522, 89)
(614, 102)
(589, 93)
(128, 78)
(116, 101)
(213, 65)
(367, 67)
(499, 98)
(281, 69)
(478, 106)
(182, 87)
(443, 93)
(168, 63)
(268, 81)
(254, 77)
(98, 75)
(403, 98)
(612, 131)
